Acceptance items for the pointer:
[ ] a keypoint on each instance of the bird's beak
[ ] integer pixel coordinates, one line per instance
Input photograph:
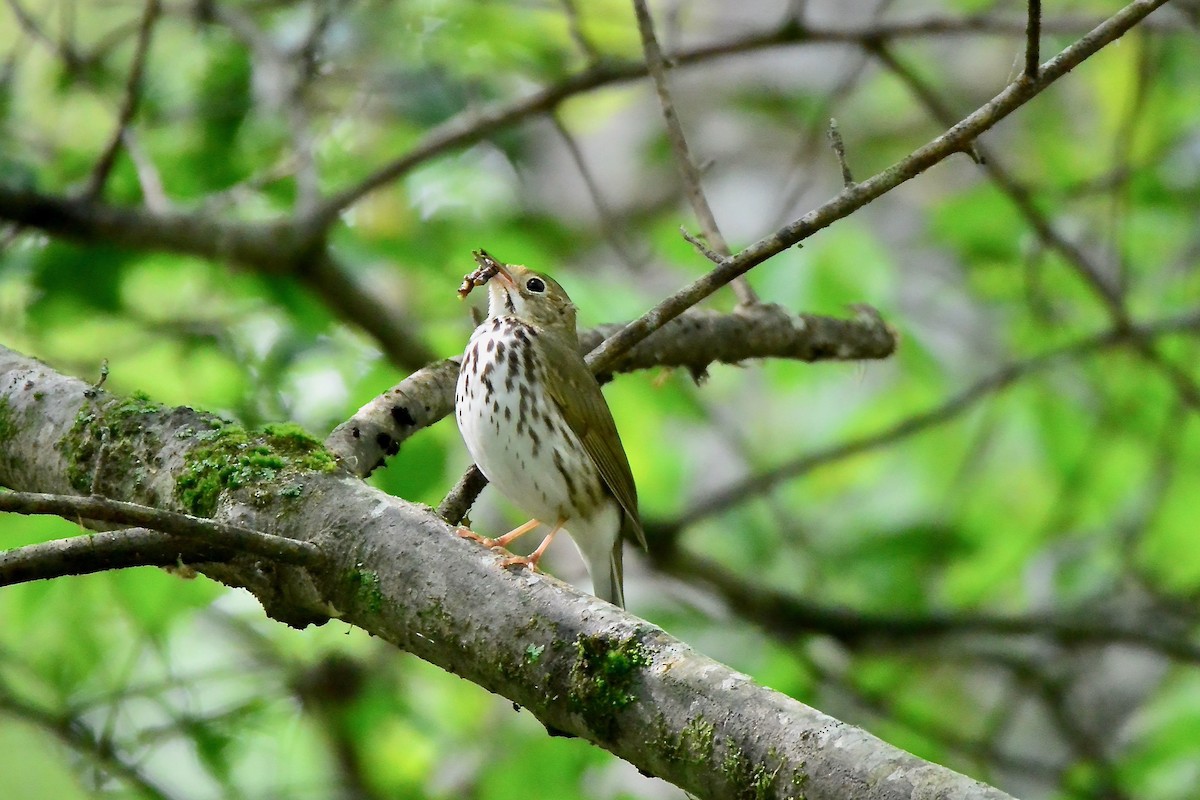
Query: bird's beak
(505, 276)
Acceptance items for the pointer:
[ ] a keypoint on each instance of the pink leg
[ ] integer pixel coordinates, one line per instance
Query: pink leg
(500, 541)
(533, 558)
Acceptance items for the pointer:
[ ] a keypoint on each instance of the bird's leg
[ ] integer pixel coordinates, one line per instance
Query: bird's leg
(533, 558)
(500, 541)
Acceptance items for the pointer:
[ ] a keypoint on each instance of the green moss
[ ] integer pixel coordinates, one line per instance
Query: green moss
(603, 678)
(751, 781)
(693, 745)
(799, 779)
(366, 585)
(79, 447)
(112, 434)
(229, 457)
(8, 422)
(134, 405)
(533, 653)
(293, 491)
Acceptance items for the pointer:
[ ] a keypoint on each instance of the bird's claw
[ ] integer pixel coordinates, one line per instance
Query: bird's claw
(519, 561)
(467, 533)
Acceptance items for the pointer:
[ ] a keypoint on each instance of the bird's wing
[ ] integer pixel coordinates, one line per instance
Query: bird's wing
(577, 394)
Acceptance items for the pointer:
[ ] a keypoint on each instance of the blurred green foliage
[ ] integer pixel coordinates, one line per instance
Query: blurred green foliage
(1069, 493)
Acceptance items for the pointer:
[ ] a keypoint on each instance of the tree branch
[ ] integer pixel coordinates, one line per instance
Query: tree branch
(1104, 287)
(100, 552)
(475, 125)
(76, 734)
(1033, 36)
(656, 66)
(721, 500)
(121, 547)
(129, 106)
(580, 665)
(695, 341)
(956, 139)
(273, 248)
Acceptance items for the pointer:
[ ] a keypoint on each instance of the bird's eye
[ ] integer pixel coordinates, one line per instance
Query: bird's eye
(535, 285)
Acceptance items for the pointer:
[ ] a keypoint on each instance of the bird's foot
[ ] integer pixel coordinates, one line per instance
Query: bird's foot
(533, 558)
(520, 561)
(467, 533)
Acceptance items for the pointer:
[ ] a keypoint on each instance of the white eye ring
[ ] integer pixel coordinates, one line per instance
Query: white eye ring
(535, 285)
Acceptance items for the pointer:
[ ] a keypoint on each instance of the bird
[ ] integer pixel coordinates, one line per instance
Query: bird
(533, 418)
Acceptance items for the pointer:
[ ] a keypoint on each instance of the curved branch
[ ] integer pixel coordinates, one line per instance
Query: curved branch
(694, 340)
(694, 189)
(100, 552)
(175, 536)
(581, 666)
(475, 125)
(760, 483)
(790, 617)
(280, 247)
(852, 198)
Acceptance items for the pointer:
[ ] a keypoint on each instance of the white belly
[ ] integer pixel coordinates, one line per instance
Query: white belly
(513, 429)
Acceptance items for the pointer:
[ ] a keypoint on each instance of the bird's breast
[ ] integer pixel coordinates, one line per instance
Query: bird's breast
(515, 430)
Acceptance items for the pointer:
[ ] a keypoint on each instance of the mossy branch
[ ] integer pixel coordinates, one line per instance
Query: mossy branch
(581, 666)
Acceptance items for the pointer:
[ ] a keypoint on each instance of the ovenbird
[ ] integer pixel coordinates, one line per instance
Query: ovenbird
(534, 419)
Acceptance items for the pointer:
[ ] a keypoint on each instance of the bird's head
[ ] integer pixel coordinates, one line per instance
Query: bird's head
(532, 297)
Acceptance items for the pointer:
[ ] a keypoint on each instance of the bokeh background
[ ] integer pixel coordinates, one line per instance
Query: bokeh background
(984, 549)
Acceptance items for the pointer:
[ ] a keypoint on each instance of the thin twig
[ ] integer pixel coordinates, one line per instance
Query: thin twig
(77, 734)
(722, 500)
(104, 551)
(102, 509)
(849, 200)
(474, 125)
(790, 616)
(656, 67)
(458, 502)
(700, 246)
(575, 26)
(839, 150)
(63, 51)
(1033, 36)
(1105, 289)
(608, 220)
(129, 106)
(153, 193)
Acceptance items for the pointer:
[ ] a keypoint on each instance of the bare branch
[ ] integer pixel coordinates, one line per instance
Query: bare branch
(718, 501)
(609, 223)
(273, 248)
(700, 246)
(839, 150)
(1106, 289)
(851, 199)
(575, 26)
(76, 734)
(695, 341)
(129, 106)
(107, 550)
(656, 66)
(102, 509)
(458, 501)
(1033, 36)
(789, 616)
(475, 125)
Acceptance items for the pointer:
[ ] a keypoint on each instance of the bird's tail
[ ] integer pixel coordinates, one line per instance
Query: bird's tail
(608, 583)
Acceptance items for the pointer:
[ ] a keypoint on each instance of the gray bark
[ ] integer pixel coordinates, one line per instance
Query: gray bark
(581, 666)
